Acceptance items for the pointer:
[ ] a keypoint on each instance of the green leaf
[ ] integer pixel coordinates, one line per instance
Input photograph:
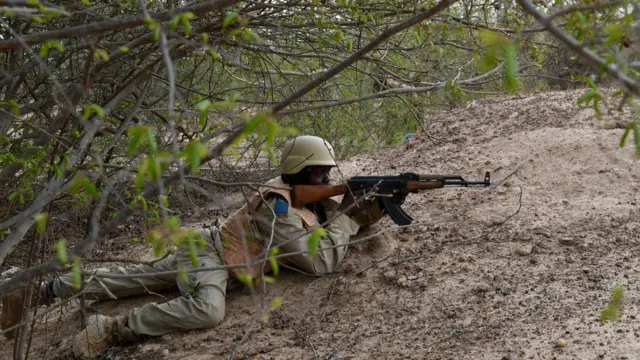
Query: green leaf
(205, 38)
(618, 93)
(61, 249)
(314, 240)
(41, 222)
(636, 140)
(613, 309)
(248, 35)
(615, 32)
(85, 2)
(44, 50)
(202, 243)
(337, 36)
(510, 66)
(155, 238)
(15, 109)
(214, 55)
(490, 59)
(349, 43)
(76, 183)
(273, 262)
(135, 134)
(164, 200)
(254, 122)
(627, 130)
(245, 279)
(189, 15)
(152, 167)
(275, 302)
(225, 241)
(101, 54)
(139, 181)
(174, 22)
(193, 252)
(90, 188)
(57, 45)
(203, 111)
(222, 105)
(186, 25)
(172, 222)
(591, 84)
(582, 18)
(151, 141)
(493, 38)
(91, 109)
(229, 19)
(182, 274)
(195, 152)
(268, 279)
(76, 274)
(13, 195)
(272, 129)
(124, 49)
(587, 97)
(270, 153)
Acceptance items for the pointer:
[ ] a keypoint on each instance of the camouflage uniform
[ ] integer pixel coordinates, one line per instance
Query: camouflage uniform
(201, 307)
(205, 306)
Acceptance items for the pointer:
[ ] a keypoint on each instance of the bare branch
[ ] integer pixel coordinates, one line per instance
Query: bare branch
(573, 44)
(587, 7)
(119, 24)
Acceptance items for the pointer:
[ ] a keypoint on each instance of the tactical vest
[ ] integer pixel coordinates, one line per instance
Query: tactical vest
(240, 226)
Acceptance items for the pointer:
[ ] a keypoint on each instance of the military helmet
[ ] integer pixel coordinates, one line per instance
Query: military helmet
(306, 150)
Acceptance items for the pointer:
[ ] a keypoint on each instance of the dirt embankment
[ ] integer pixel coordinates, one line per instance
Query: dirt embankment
(499, 273)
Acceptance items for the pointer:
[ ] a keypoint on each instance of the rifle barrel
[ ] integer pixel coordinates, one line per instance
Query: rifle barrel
(456, 180)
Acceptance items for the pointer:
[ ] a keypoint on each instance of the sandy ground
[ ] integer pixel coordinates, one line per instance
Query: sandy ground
(498, 273)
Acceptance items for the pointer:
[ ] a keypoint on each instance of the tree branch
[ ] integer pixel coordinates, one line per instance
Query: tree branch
(119, 24)
(573, 44)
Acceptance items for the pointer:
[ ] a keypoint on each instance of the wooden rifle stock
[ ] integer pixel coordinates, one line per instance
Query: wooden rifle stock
(308, 194)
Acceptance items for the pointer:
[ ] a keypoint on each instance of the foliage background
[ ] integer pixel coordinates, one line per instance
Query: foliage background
(118, 117)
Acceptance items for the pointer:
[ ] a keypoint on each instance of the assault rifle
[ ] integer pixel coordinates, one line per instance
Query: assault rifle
(391, 191)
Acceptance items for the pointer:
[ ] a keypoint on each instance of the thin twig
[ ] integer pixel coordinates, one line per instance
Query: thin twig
(315, 353)
(493, 227)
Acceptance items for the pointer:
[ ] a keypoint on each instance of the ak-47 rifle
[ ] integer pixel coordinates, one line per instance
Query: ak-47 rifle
(391, 191)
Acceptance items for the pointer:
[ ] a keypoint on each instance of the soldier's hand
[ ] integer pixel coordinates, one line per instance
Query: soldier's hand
(349, 200)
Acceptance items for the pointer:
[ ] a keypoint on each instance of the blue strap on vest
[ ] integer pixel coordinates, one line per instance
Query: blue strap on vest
(281, 206)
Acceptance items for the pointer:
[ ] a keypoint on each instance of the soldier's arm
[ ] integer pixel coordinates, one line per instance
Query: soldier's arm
(287, 229)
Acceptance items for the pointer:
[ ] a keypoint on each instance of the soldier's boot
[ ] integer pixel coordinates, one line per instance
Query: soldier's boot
(101, 331)
(12, 306)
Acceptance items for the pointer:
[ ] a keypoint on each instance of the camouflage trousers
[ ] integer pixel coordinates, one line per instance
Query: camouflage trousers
(202, 301)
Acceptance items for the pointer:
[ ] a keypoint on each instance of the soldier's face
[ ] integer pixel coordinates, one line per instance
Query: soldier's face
(320, 175)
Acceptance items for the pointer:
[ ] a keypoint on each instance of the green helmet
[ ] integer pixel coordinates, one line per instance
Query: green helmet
(304, 151)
